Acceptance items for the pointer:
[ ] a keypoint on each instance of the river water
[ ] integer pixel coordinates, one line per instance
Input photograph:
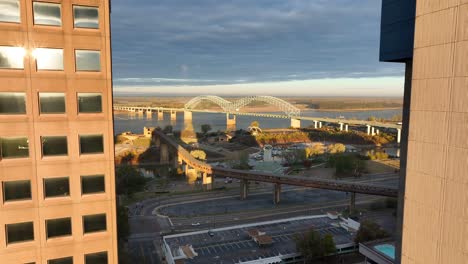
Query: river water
(134, 122)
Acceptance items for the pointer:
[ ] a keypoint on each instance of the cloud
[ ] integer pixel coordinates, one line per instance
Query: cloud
(252, 41)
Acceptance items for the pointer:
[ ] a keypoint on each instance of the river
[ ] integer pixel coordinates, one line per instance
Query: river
(134, 122)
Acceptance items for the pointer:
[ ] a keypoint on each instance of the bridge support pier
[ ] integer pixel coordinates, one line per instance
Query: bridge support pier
(276, 193)
(346, 127)
(207, 181)
(173, 115)
(372, 131)
(295, 123)
(377, 131)
(315, 124)
(149, 114)
(244, 189)
(230, 121)
(341, 126)
(187, 115)
(368, 129)
(160, 115)
(164, 154)
(352, 202)
(398, 135)
(320, 124)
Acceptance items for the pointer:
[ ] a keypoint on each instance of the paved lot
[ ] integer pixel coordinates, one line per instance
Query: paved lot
(234, 245)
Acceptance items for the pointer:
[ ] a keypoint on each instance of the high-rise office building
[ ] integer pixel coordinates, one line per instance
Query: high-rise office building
(434, 218)
(56, 133)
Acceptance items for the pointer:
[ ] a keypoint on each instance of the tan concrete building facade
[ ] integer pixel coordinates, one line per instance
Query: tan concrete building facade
(57, 184)
(435, 225)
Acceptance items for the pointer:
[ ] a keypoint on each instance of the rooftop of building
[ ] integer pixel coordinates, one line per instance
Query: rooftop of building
(379, 251)
(237, 244)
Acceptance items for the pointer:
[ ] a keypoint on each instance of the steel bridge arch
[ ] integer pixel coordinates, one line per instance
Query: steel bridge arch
(232, 107)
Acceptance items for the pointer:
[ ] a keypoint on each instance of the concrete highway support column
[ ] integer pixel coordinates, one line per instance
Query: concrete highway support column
(244, 189)
(315, 124)
(341, 126)
(187, 115)
(207, 181)
(230, 121)
(295, 123)
(377, 131)
(352, 202)
(346, 127)
(320, 124)
(160, 115)
(368, 129)
(276, 193)
(398, 135)
(149, 114)
(372, 131)
(164, 149)
(173, 115)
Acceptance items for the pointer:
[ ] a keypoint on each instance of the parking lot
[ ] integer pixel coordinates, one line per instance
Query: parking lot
(233, 244)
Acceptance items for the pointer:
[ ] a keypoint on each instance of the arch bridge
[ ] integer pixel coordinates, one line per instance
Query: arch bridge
(233, 107)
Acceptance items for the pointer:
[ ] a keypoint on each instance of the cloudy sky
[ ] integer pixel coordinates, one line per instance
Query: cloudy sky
(276, 47)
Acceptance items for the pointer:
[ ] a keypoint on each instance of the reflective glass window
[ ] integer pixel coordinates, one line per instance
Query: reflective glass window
(58, 227)
(12, 57)
(10, 11)
(88, 60)
(54, 146)
(47, 14)
(89, 103)
(52, 103)
(90, 144)
(12, 103)
(94, 223)
(56, 187)
(96, 258)
(86, 16)
(19, 232)
(92, 184)
(67, 260)
(16, 190)
(49, 59)
(14, 147)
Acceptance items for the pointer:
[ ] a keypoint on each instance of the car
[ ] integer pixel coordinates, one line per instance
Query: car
(195, 224)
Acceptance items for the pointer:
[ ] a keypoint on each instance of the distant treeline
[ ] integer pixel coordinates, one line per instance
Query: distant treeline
(349, 105)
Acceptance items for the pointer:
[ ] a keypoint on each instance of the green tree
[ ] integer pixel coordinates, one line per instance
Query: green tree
(369, 231)
(313, 245)
(255, 124)
(205, 128)
(167, 129)
(198, 154)
(129, 180)
(336, 148)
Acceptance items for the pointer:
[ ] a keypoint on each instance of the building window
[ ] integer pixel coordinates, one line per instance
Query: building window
(89, 103)
(67, 260)
(12, 57)
(48, 59)
(88, 60)
(14, 147)
(16, 190)
(86, 16)
(52, 103)
(96, 258)
(48, 14)
(19, 232)
(10, 11)
(92, 184)
(91, 144)
(56, 187)
(58, 227)
(54, 146)
(12, 103)
(94, 223)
